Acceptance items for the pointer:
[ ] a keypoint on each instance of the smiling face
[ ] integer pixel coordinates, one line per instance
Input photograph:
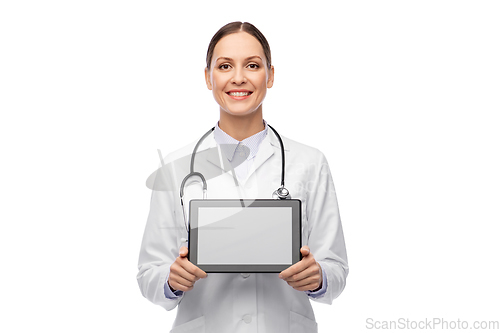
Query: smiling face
(238, 74)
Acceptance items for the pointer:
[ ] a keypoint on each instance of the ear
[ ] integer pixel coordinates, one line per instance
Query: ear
(208, 79)
(270, 79)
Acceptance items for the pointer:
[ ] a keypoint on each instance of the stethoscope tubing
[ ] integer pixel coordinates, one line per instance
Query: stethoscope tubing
(191, 169)
(281, 193)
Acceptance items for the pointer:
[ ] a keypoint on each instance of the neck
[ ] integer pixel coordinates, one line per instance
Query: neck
(241, 127)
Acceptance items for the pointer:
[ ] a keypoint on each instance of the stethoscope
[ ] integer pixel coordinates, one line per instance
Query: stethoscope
(280, 194)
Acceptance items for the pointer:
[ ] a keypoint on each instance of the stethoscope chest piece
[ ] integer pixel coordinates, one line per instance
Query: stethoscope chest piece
(282, 194)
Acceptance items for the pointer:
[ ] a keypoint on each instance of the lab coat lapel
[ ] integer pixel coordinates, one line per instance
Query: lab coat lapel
(266, 150)
(214, 155)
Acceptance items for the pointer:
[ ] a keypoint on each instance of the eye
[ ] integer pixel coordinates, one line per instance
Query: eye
(253, 66)
(224, 66)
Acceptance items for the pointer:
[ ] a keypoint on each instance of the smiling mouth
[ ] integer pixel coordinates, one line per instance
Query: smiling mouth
(239, 93)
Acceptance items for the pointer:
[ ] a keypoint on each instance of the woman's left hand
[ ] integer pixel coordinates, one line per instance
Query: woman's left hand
(304, 275)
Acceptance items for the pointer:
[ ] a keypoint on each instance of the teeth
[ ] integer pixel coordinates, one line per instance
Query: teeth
(239, 94)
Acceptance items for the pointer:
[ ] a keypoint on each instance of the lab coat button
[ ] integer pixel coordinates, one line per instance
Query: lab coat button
(247, 319)
(245, 275)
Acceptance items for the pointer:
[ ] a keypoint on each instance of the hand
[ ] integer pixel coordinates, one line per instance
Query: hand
(304, 275)
(183, 274)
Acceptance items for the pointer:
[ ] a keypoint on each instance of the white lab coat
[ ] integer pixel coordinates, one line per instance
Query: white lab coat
(231, 302)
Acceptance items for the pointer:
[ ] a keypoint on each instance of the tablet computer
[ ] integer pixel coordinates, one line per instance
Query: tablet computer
(244, 235)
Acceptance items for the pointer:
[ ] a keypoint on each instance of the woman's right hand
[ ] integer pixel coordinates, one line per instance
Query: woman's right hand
(183, 274)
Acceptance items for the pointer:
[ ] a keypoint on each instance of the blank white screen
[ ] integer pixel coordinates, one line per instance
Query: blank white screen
(250, 235)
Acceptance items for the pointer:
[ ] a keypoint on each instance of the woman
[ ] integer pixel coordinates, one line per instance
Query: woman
(239, 72)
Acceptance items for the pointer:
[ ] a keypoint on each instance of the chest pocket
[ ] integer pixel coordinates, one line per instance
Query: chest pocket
(301, 324)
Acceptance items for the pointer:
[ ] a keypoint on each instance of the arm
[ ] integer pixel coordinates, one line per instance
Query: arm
(160, 245)
(326, 238)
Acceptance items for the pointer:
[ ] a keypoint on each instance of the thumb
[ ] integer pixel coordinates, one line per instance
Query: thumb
(183, 252)
(305, 250)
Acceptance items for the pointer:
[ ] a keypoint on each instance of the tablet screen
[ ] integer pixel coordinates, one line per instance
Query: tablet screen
(255, 235)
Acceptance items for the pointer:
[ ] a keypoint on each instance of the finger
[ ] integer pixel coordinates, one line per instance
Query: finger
(193, 269)
(314, 280)
(294, 269)
(188, 266)
(305, 250)
(180, 280)
(298, 267)
(178, 286)
(311, 270)
(308, 287)
(183, 252)
(179, 270)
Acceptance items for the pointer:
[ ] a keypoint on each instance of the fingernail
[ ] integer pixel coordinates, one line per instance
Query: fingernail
(280, 276)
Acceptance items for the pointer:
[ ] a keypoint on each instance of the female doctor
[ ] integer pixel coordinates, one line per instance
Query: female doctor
(239, 72)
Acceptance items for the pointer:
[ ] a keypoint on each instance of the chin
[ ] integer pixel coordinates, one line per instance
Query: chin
(239, 113)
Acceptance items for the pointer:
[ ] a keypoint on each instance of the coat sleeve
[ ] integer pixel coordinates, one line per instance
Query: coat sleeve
(161, 241)
(326, 238)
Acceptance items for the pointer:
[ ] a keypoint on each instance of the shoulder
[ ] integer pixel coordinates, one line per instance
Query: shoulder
(183, 151)
(180, 152)
(201, 143)
(301, 150)
(305, 161)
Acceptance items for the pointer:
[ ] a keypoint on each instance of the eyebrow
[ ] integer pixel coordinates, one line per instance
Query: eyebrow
(246, 59)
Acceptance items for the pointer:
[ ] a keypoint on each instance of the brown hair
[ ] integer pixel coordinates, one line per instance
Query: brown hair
(235, 27)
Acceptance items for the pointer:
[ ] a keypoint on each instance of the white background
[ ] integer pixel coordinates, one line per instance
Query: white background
(401, 96)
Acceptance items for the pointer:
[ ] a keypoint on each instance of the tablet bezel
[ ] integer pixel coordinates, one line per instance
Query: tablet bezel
(195, 204)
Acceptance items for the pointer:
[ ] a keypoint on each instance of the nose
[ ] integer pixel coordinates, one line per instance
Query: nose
(239, 76)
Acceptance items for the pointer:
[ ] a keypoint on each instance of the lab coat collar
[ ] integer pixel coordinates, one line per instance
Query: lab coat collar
(268, 147)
